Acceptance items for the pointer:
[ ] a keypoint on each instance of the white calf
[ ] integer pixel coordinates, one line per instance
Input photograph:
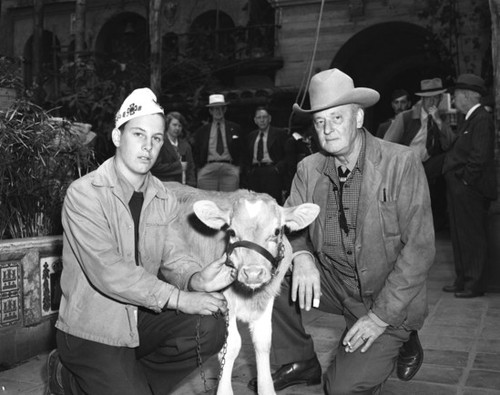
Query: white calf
(250, 227)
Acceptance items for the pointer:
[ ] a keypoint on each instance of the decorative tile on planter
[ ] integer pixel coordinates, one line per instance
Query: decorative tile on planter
(10, 294)
(50, 276)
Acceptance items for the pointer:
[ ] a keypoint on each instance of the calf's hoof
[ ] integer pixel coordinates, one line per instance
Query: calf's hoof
(301, 372)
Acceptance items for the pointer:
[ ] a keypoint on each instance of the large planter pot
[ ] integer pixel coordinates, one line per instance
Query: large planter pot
(29, 296)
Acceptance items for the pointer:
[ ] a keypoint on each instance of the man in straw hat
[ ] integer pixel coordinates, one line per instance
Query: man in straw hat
(367, 254)
(425, 129)
(118, 330)
(469, 168)
(217, 149)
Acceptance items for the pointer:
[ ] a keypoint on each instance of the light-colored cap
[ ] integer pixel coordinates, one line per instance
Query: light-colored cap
(140, 102)
(216, 100)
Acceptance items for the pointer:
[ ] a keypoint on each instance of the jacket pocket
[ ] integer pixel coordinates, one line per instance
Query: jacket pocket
(389, 217)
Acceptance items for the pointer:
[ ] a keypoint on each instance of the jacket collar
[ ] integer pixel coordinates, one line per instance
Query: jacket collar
(105, 177)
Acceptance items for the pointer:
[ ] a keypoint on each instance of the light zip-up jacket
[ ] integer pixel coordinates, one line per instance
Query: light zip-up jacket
(394, 245)
(102, 286)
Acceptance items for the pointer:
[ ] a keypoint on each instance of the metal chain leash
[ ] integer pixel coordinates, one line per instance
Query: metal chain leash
(223, 351)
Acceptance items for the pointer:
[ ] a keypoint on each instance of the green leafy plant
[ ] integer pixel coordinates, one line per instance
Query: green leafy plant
(39, 157)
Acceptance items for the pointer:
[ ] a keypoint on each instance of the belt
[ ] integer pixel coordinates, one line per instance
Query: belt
(262, 164)
(220, 161)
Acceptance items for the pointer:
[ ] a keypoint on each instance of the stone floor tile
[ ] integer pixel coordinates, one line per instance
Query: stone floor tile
(483, 379)
(448, 331)
(487, 361)
(439, 374)
(398, 387)
(446, 358)
(442, 342)
(480, 391)
(488, 345)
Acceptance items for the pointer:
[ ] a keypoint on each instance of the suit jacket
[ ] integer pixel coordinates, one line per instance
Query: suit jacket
(168, 165)
(394, 245)
(276, 140)
(472, 157)
(202, 138)
(407, 124)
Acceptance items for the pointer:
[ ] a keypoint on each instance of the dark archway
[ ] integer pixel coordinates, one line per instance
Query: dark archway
(50, 61)
(390, 56)
(123, 44)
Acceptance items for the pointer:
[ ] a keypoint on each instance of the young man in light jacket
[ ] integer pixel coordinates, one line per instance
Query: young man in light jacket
(122, 327)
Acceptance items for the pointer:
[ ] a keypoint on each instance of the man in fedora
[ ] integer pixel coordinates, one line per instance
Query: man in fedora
(469, 168)
(365, 257)
(217, 149)
(427, 132)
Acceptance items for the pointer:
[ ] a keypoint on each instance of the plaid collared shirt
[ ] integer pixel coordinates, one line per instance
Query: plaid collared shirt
(338, 247)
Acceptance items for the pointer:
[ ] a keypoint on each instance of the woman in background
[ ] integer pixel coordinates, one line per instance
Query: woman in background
(175, 161)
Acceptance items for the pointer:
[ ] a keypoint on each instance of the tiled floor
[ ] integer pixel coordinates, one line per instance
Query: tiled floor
(461, 339)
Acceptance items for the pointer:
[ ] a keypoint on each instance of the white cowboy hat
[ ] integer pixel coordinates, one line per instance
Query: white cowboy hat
(333, 88)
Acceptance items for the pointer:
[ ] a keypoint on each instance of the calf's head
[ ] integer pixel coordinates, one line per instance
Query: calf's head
(255, 234)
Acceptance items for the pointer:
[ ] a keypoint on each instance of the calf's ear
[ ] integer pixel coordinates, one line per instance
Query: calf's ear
(210, 214)
(298, 217)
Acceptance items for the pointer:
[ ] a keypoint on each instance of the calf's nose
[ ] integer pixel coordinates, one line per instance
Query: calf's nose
(253, 275)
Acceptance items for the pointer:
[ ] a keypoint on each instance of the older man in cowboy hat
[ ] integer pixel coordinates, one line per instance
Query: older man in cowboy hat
(425, 129)
(217, 149)
(469, 168)
(365, 257)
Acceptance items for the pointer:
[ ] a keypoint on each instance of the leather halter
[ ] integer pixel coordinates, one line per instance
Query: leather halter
(275, 261)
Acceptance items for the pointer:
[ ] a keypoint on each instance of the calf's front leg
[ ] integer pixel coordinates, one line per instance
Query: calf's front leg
(261, 330)
(227, 360)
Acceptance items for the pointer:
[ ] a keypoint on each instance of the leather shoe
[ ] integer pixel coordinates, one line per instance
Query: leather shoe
(452, 288)
(468, 294)
(301, 372)
(411, 356)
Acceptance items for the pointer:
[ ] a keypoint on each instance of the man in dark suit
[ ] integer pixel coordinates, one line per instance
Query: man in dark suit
(217, 150)
(265, 164)
(469, 168)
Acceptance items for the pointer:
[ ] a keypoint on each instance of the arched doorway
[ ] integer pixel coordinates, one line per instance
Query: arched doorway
(50, 63)
(122, 48)
(390, 56)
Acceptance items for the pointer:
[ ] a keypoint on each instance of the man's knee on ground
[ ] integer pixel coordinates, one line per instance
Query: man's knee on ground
(212, 334)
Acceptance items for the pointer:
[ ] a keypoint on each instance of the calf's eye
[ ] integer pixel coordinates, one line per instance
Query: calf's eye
(277, 231)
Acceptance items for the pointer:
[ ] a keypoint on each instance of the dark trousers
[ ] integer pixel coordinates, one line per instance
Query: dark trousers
(266, 179)
(167, 353)
(349, 373)
(437, 190)
(468, 211)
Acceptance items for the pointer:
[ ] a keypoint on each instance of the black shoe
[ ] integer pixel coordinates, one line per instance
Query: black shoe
(411, 356)
(54, 367)
(302, 372)
(452, 288)
(468, 294)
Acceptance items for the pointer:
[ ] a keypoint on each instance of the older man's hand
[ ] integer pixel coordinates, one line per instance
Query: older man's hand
(306, 286)
(362, 334)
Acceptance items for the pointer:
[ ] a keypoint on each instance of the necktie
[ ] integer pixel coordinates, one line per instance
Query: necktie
(220, 142)
(342, 218)
(260, 147)
(429, 144)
